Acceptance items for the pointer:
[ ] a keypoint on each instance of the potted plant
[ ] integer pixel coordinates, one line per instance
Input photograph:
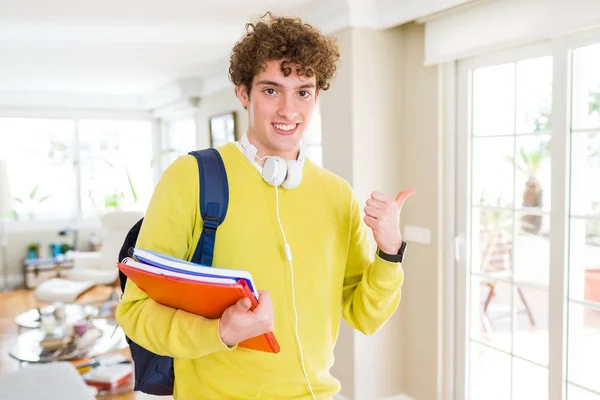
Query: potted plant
(32, 201)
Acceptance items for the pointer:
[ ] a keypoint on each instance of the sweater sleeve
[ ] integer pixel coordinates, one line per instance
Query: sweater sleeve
(372, 288)
(168, 228)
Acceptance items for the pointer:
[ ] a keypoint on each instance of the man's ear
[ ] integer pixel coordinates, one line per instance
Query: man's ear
(242, 93)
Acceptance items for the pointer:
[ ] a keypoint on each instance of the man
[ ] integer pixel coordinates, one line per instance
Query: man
(303, 240)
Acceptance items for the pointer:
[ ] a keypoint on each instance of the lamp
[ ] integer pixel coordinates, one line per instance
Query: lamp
(6, 207)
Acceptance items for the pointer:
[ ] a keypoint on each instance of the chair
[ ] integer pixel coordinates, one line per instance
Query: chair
(497, 262)
(100, 267)
(51, 381)
(92, 268)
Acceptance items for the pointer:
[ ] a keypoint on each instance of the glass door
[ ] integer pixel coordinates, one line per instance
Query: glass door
(509, 246)
(528, 214)
(583, 330)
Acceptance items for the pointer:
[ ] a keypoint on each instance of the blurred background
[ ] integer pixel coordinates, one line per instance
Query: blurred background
(489, 108)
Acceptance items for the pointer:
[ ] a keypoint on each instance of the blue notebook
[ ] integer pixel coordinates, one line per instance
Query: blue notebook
(181, 266)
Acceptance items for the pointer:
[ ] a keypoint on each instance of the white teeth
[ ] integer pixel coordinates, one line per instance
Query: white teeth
(284, 127)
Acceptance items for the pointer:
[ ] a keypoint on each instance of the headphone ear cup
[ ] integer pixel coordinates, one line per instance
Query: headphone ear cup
(274, 170)
(294, 174)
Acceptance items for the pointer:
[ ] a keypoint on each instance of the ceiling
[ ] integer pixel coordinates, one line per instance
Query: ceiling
(133, 47)
(115, 46)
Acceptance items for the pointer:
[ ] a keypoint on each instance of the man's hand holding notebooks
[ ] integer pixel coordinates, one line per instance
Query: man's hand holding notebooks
(240, 319)
(209, 292)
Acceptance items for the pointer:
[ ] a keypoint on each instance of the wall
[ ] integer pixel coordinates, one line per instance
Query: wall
(422, 169)
(336, 113)
(377, 100)
(361, 142)
(336, 138)
(219, 103)
(19, 236)
(382, 110)
(484, 27)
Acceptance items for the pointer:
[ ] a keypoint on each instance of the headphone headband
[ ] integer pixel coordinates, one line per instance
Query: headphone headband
(251, 152)
(276, 170)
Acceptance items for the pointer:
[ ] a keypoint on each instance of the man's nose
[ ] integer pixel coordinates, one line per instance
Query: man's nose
(287, 108)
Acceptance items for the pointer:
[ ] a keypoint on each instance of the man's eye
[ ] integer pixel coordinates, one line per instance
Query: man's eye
(270, 91)
(304, 93)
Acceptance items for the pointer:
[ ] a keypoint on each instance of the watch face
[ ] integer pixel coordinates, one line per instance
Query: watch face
(402, 247)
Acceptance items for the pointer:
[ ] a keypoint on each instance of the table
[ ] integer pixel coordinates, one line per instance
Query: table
(26, 348)
(73, 312)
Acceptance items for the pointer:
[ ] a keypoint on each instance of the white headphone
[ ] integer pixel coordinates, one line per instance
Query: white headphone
(276, 170)
(288, 174)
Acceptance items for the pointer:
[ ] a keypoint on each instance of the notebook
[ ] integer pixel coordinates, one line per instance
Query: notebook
(108, 376)
(174, 264)
(208, 296)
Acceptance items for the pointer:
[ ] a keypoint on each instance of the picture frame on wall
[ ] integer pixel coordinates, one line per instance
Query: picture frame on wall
(222, 129)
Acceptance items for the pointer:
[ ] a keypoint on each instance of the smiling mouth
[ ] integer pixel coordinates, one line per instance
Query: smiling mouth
(285, 129)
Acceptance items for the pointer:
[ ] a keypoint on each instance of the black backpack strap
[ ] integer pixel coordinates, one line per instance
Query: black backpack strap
(214, 200)
(129, 242)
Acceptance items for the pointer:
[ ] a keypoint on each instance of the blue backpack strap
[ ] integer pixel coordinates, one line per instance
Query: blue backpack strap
(155, 374)
(214, 199)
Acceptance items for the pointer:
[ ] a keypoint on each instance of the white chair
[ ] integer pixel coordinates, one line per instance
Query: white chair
(92, 268)
(100, 267)
(52, 381)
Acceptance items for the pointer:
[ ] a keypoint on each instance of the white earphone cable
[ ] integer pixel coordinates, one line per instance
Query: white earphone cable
(288, 254)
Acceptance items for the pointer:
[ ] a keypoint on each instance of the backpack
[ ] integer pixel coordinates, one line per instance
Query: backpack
(154, 374)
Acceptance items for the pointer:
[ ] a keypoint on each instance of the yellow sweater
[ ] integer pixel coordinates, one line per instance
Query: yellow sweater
(333, 275)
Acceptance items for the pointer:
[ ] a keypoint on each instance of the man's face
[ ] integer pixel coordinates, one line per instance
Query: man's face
(279, 110)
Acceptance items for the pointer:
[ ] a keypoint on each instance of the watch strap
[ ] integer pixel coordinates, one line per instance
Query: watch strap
(393, 257)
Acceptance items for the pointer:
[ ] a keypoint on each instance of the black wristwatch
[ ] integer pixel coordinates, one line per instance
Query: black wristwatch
(393, 257)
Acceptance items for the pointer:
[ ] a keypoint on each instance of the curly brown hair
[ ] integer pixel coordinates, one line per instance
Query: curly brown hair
(282, 38)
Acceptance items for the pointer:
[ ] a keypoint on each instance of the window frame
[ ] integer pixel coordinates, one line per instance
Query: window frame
(561, 49)
(75, 116)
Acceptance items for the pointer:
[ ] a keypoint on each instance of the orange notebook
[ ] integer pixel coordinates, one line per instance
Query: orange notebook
(208, 299)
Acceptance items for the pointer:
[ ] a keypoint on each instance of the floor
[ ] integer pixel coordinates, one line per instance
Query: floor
(15, 302)
(494, 372)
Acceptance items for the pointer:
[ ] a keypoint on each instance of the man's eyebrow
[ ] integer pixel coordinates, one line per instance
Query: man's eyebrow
(268, 83)
(271, 83)
(307, 86)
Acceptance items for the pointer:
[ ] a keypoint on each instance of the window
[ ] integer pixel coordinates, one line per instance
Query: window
(61, 169)
(40, 158)
(114, 159)
(510, 202)
(583, 269)
(178, 138)
(529, 143)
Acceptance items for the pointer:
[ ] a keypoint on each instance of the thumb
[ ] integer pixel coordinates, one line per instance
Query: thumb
(263, 294)
(403, 195)
(243, 305)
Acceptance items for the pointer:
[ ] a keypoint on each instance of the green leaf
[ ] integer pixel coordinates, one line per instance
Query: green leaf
(135, 198)
(34, 192)
(524, 156)
(594, 102)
